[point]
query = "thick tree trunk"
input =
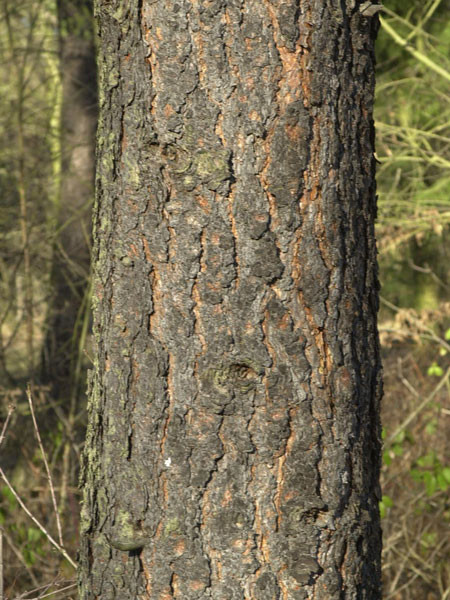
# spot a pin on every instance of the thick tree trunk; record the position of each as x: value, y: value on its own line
x: 233, y: 445
x: 71, y: 259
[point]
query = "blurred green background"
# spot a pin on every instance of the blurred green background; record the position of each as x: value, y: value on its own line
x: 47, y: 122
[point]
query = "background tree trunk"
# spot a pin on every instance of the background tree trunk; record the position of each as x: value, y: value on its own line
x: 71, y: 259
x: 233, y: 445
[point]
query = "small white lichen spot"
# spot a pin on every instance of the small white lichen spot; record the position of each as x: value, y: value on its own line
x: 168, y: 462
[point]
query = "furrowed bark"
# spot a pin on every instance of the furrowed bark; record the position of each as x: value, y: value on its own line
x: 233, y: 445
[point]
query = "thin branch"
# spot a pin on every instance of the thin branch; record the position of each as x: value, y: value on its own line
x: 68, y: 587
x: 418, y: 55
x: 419, y: 28
x: 419, y: 409
x: 19, y: 557
x: 44, y: 588
x: 430, y: 334
x: 44, y: 457
x: 36, y: 522
x: 11, y: 409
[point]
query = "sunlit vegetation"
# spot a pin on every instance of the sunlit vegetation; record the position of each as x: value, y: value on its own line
x: 413, y: 149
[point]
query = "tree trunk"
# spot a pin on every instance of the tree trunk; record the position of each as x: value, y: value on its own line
x: 233, y: 444
x: 71, y: 259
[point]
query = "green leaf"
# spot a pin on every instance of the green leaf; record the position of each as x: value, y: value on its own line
x: 397, y: 449
x: 387, y: 501
x: 447, y: 335
x: 446, y: 474
x: 435, y: 369
x: 400, y: 437
x: 29, y: 556
x: 7, y: 493
x: 387, y: 458
x: 442, y: 482
x: 383, y: 433
x: 33, y: 534
x: 430, y: 483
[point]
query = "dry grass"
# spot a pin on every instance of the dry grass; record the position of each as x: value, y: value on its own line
x: 35, y: 565
x: 416, y: 529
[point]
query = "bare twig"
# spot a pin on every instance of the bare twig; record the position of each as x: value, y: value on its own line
x: 11, y: 409
x: 19, y: 557
x: 425, y: 331
x: 419, y: 409
x: 44, y: 457
x: 412, y: 50
x: 64, y: 589
x: 36, y: 522
x: 41, y: 587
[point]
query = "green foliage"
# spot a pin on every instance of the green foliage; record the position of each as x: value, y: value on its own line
x: 33, y: 546
x: 30, y: 539
x: 9, y: 497
x: 412, y: 114
x: 435, y: 370
x: 396, y: 448
x: 429, y: 471
x: 385, y: 503
x: 8, y: 504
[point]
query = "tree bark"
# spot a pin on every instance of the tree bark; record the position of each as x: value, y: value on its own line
x: 233, y: 444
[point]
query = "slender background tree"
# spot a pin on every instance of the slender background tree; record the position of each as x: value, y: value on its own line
x: 69, y: 304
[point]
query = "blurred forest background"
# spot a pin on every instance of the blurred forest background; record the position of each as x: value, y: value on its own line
x: 48, y: 112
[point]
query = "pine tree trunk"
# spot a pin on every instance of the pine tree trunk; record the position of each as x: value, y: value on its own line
x: 233, y: 444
